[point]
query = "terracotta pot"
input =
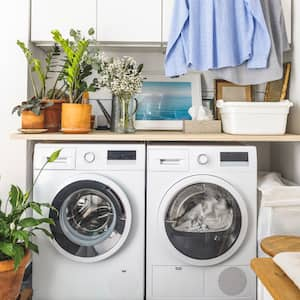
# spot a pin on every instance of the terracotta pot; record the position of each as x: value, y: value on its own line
x: 93, y: 118
x: 11, y: 280
x: 76, y: 118
x: 32, y: 121
x: 53, y: 115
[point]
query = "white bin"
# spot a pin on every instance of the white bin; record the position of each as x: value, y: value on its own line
x: 257, y: 118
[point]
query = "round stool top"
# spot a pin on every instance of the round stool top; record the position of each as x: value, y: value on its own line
x: 280, y: 243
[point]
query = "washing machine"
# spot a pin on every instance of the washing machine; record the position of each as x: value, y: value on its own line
x: 201, y: 222
x: 97, y: 251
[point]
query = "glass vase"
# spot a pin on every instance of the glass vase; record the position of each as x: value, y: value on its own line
x: 124, y: 112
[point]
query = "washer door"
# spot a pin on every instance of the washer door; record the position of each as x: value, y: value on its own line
x: 92, y: 221
x: 203, y: 219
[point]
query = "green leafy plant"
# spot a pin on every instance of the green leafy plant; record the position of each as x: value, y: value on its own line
x: 43, y: 69
x: 34, y: 104
x: 77, y: 66
x: 17, y: 230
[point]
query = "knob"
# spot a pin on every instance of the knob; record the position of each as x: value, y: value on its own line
x: 89, y: 157
x: 203, y: 159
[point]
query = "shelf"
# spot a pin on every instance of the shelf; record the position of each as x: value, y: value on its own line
x: 154, y: 136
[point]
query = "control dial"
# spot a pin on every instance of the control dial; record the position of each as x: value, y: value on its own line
x: 89, y: 157
x: 203, y: 159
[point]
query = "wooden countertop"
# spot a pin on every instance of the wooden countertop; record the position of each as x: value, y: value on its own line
x: 155, y: 136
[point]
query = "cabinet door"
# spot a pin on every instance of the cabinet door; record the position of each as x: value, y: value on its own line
x: 63, y: 15
x: 134, y: 21
x: 167, y: 18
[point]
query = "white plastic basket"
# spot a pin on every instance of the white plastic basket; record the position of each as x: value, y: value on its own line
x: 279, y: 208
x: 257, y: 118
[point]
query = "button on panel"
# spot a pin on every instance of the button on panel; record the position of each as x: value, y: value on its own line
x: 203, y: 159
x: 89, y: 157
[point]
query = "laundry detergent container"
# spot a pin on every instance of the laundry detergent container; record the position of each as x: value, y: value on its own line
x: 257, y: 118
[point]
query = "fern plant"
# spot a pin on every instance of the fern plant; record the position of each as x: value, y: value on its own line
x: 76, y: 67
x: 17, y: 230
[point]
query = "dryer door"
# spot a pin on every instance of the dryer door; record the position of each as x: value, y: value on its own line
x: 92, y: 221
x: 203, y: 219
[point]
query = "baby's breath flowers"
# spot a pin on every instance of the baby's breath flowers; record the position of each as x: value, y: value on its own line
x: 122, y: 75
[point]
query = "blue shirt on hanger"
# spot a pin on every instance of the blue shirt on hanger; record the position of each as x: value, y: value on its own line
x: 213, y: 34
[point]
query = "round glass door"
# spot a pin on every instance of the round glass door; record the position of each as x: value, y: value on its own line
x: 91, y: 221
x: 204, y: 220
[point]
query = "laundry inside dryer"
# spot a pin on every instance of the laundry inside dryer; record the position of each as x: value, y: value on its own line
x: 202, y: 207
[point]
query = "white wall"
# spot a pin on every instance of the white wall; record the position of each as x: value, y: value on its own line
x: 14, y: 24
x: 286, y: 157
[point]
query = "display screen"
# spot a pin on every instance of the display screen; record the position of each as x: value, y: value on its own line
x: 121, y: 155
x: 234, y: 157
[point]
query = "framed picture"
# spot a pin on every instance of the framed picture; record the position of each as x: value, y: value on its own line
x: 163, y: 103
x: 229, y: 91
x: 278, y: 90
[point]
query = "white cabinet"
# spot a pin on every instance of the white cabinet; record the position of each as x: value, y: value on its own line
x: 167, y: 18
x: 133, y: 21
x: 47, y: 15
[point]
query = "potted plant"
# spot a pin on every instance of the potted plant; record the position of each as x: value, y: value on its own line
x: 76, y: 115
x: 54, y: 95
x: 123, y: 77
x: 16, y: 231
x: 32, y: 113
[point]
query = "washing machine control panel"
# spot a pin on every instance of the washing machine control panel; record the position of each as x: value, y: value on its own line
x: 203, y: 159
x: 89, y: 157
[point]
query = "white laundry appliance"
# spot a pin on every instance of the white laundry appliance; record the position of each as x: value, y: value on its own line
x: 201, y: 222
x: 99, y: 233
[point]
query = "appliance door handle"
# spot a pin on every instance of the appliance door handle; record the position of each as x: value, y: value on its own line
x: 170, y: 161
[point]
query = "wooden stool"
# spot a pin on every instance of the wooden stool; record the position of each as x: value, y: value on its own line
x: 272, y: 277
x: 280, y: 243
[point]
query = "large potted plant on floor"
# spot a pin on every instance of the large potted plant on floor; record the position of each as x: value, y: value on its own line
x: 76, y: 115
x: 16, y: 231
x: 47, y: 84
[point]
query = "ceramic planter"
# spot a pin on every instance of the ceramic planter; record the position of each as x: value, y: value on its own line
x: 53, y: 115
x: 11, y: 280
x: 31, y: 121
x: 76, y: 118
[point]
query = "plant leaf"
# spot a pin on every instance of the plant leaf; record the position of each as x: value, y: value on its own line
x: 21, y: 236
x: 18, y: 256
x: 53, y: 157
x: 15, y: 196
x: 31, y: 222
x: 36, y: 207
x: 45, y: 231
x: 7, y: 249
x: 33, y: 247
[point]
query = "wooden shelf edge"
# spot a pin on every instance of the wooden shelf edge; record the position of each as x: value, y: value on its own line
x: 154, y: 136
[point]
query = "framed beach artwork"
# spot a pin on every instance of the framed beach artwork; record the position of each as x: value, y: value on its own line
x: 163, y: 103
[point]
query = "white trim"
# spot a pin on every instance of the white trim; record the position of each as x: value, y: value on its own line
x: 125, y: 201
x: 173, y: 191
